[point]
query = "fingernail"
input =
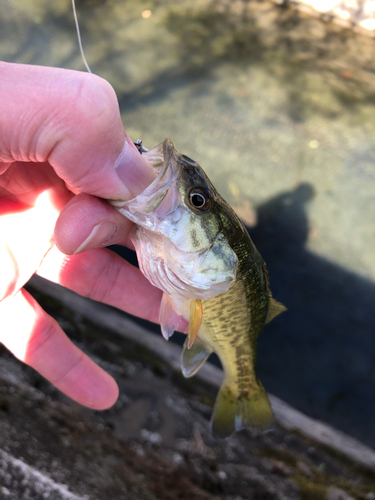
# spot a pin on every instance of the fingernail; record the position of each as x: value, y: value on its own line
x: 133, y: 169
x: 99, y: 237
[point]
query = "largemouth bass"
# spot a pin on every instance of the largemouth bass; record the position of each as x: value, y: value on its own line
x: 191, y: 245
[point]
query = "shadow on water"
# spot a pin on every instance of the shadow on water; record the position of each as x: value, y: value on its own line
x: 319, y: 356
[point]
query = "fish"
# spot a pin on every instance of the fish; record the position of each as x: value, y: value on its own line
x: 191, y: 244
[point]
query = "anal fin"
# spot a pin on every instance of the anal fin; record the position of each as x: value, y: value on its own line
x: 192, y: 359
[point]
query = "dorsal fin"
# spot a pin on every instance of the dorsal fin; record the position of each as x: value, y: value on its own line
x: 274, y: 308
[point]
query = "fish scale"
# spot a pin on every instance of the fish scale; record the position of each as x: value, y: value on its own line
x: 232, y: 333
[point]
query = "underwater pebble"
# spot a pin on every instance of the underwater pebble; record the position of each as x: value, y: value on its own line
x: 305, y: 469
x: 151, y: 437
x: 334, y: 493
x: 177, y: 459
x: 222, y: 475
x: 4, y: 491
x: 279, y: 467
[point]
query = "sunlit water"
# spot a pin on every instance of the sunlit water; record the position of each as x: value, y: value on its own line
x: 279, y: 109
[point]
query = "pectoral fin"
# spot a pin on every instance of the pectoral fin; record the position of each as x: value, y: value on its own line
x: 192, y: 359
x: 196, y: 315
x: 169, y: 319
x: 274, y: 308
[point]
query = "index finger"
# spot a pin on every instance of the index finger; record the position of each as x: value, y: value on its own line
x: 72, y: 120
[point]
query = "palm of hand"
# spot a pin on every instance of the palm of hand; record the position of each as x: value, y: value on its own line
x: 31, y: 198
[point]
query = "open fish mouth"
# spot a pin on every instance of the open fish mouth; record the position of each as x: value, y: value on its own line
x: 142, y: 209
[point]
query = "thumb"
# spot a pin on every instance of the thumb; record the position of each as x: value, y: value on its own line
x: 72, y: 120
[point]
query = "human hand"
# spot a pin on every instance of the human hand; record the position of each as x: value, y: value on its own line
x: 63, y: 150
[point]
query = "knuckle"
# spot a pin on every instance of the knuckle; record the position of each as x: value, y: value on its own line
x: 71, y: 373
x: 107, y: 279
x: 37, y: 346
x: 95, y: 101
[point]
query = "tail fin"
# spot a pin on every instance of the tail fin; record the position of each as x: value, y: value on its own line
x: 234, y: 412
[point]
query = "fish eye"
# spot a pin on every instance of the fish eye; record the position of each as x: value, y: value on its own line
x: 199, y: 199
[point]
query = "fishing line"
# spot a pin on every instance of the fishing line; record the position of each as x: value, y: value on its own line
x: 137, y: 144
x: 79, y: 37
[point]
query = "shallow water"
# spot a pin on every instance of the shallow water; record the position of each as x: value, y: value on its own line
x: 279, y: 109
